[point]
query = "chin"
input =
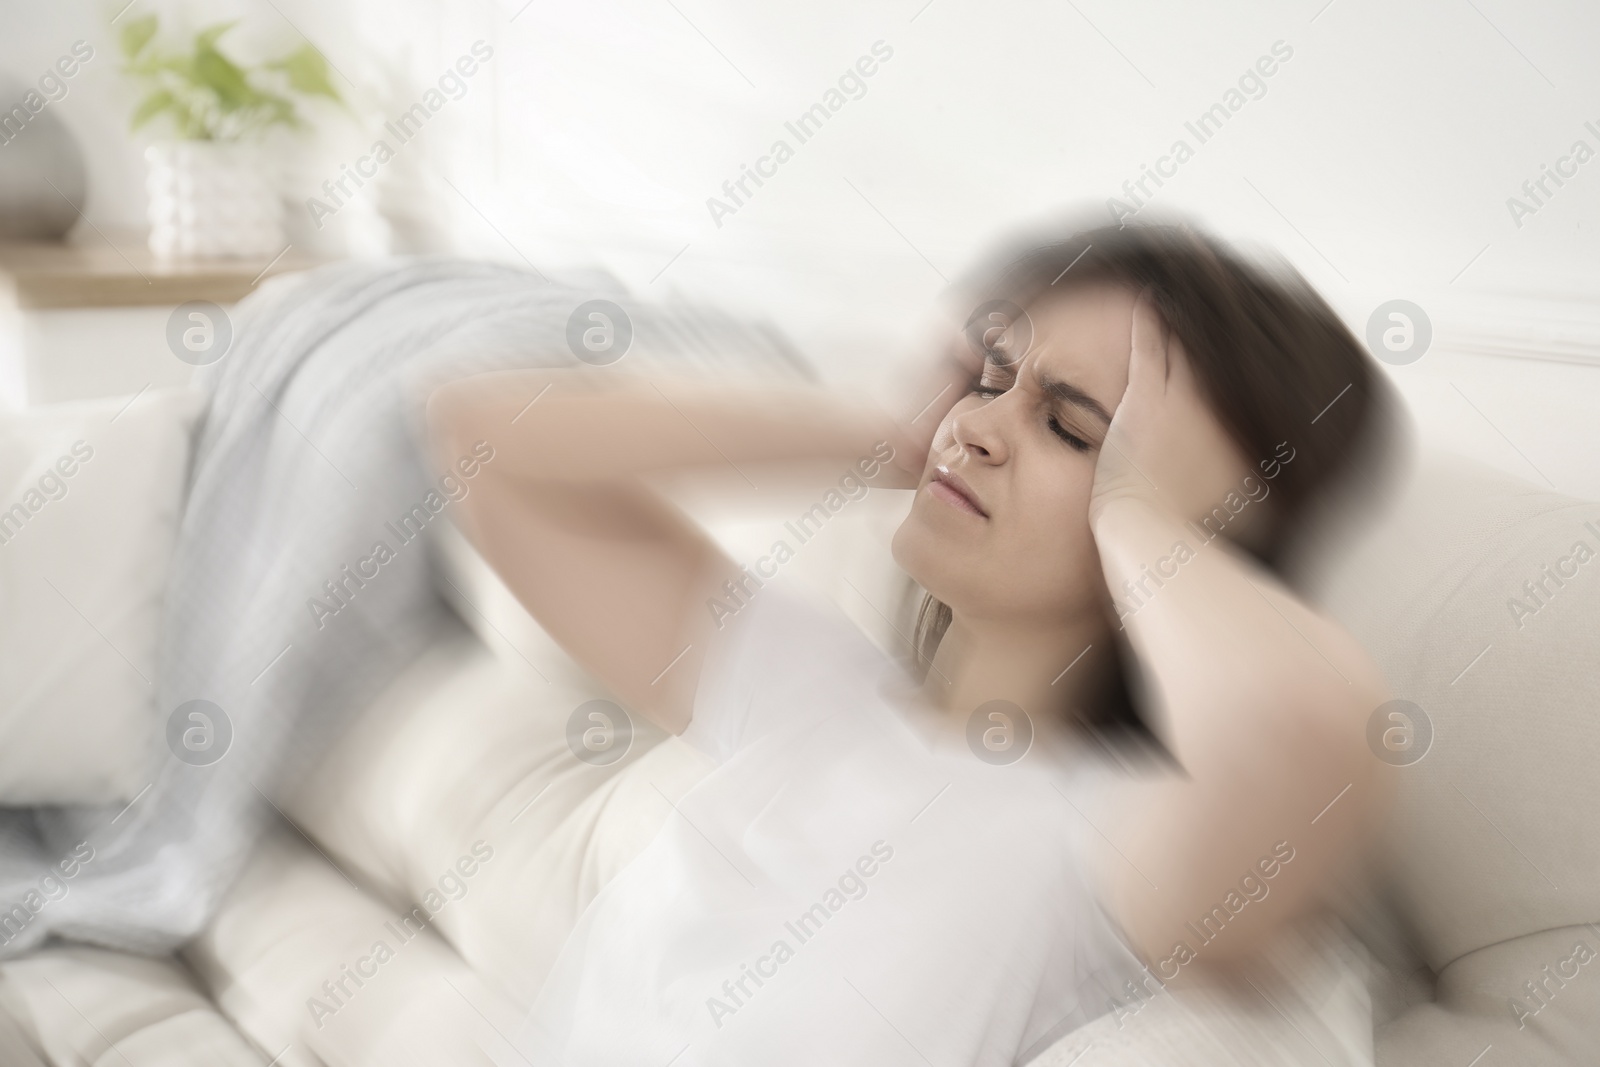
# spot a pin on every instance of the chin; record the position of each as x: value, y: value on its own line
x: 958, y: 575
x: 918, y: 551
x: 897, y: 549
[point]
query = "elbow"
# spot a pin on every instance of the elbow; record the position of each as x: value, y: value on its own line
x: 1343, y: 720
x: 443, y: 410
x: 452, y: 412
x: 1319, y: 712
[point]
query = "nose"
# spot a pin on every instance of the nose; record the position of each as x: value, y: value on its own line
x: 981, y: 431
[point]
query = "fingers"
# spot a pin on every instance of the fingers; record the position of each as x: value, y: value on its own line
x: 1147, y: 362
x: 941, y: 390
x: 1180, y: 372
x: 934, y: 384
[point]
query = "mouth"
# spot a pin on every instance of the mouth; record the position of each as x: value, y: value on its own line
x: 949, y: 487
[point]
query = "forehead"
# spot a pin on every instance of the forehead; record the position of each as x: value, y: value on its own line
x: 1081, y: 335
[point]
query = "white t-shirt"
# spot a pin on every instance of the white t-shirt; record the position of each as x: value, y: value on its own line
x: 839, y: 889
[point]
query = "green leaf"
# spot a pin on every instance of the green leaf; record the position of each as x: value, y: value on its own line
x: 222, y: 76
x: 179, y: 68
x: 187, y: 115
x: 308, y: 73
x: 207, y: 38
x: 280, y: 109
x: 149, y: 67
x: 137, y: 34
x: 151, y: 106
x: 189, y: 125
x: 209, y: 96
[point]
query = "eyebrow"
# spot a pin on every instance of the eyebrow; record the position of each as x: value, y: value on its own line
x: 1068, y: 393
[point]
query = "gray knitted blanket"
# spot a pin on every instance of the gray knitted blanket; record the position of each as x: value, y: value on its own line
x: 308, y: 456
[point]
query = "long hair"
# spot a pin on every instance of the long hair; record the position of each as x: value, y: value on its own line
x: 1274, y: 362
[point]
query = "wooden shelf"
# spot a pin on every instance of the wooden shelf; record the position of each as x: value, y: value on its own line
x: 120, y: 272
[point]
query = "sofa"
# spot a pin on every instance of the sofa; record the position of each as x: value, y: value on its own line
x: 1474, y: 920
x: 383, y: 919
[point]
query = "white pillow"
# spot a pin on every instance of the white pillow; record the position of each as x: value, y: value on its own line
x: 90, y: 497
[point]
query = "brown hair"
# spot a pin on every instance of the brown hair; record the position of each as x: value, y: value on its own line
x: 1274, y: 361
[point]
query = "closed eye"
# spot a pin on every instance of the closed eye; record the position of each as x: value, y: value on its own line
x: 1078, y: 444
x: 998, y: 372
x: 989, y: 390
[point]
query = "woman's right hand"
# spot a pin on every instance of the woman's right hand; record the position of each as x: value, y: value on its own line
x: 618, y: 575
x: 937, y: 386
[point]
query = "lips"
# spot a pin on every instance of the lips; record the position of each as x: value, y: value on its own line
x: 949, y: 487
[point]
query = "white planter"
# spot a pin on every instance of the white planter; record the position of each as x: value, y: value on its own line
x: 212, y: 200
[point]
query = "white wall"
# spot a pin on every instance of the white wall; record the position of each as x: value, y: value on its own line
x: 1379, y: 160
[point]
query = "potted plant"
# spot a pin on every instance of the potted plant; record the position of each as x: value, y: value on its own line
x: 211, y: 192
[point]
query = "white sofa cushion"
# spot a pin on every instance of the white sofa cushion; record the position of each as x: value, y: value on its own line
x: 292, y: 958
x: 73, y: 1004
x: 91, y: 493
x: 1479, y: 596
x: 469, y: 749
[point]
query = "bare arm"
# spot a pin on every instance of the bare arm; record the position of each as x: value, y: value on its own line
x: 1264, y: 702
x: 616, y: 574
x: 1264, y: 707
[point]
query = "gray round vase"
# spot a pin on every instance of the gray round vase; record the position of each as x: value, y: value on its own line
x: 42, y: 178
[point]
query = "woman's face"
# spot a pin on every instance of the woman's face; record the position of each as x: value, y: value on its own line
x: 1024, y: 448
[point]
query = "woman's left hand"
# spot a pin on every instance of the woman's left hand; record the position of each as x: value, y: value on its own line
x: 1261, y: 701
x: 1164, y: 446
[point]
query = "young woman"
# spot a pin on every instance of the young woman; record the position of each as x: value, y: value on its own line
x: 1107, y: 480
